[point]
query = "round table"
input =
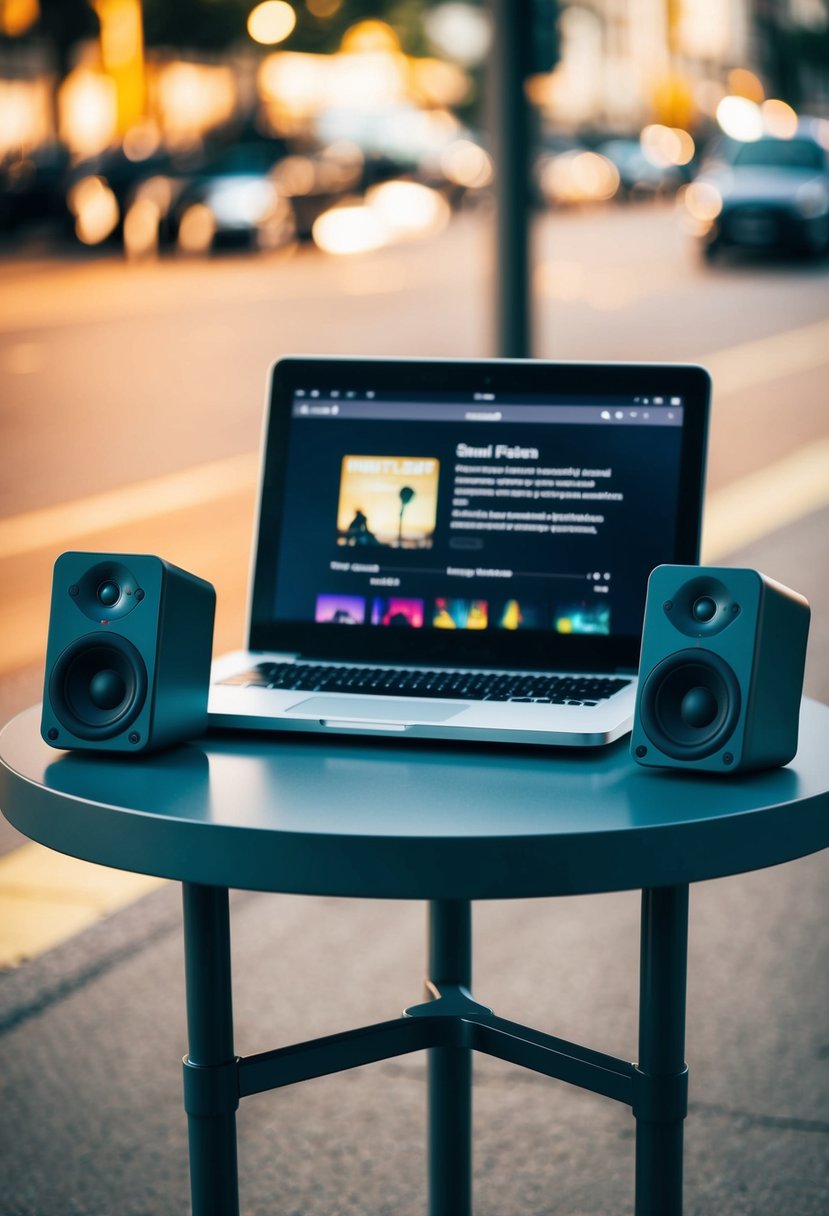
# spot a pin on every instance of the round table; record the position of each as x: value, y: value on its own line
x: 448, y: 825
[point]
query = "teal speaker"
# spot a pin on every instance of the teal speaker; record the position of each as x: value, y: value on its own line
x: 720, y: 672
x: 128, y: 655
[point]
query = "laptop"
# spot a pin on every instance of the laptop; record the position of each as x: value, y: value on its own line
x: 460, y: 549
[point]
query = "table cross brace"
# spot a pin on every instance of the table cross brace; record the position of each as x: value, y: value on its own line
x: 452, y: 1019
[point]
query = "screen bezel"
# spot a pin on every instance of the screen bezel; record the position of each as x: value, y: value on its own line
x: 535, y: 650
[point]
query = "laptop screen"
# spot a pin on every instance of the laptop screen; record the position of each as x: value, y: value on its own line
x: 491, y: 518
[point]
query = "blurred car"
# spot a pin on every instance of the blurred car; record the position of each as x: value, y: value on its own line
x: 770, y: 193
x: 575, y: 176
x: 233, y: 200
x: 32, y: 186
x: 315, y: 180
x: 99, y: 191
x: 641, y: 175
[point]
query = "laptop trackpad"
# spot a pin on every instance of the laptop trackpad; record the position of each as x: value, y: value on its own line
x: 362, y: 709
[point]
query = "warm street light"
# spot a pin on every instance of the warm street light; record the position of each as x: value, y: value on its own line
x: 779, y: 118
x: 88, y: 110
x: 271, y: 22
x: 740, y: 118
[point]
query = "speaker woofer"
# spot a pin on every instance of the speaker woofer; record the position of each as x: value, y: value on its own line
x: 98, y: 686
x: 690, y: 704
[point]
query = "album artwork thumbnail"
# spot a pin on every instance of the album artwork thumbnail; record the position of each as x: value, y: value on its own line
x: 582, y: 618
x: 340, y: 609
x: 396, y: 611
x: 388, y: 500
x: 516, y: 614
x: 460, y: 614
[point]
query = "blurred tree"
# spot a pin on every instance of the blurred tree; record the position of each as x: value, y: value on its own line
x: 202, y: 24
x: 218, y: 24
x: 64, y: 24
x: 786, y: 47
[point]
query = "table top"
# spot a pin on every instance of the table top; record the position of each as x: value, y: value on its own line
x: 414, y: 821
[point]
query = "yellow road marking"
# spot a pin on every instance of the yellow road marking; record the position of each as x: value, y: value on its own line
x: 46, y: 898
x: 747, y: 509
x: 751, y: 363
x: 53, y: 526
x: 733, y: 370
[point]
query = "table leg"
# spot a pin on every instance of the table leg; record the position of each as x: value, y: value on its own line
x: 210, y: 1060
x: 663, y: 972
x: 450, y: 1068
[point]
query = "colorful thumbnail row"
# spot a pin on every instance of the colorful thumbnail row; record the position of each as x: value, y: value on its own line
x: 443, y: 613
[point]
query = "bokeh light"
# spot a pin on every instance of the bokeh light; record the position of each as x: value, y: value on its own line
x: 323, y: 9
x: 465, y: 163
x: 740, y: 118
x: 779, y: 119
x: 141, y: 225
x: 142, y: 140
x: 409, y: 209
x: 88, y: 111
x: 197, y: 229
x: 703, y: 201
x: 350, y: 229
x: 95, y: 208
x: 295, y: 175
x: 24, y: 115
x: 743, y: 83
x: 665, y: 146
x: 460, y: 31
x: 370, y: 37
x: 579, y: 177
x: 194, y: 97
x: 435, y: 82
x: 242, y: 201
x: 271, y: 22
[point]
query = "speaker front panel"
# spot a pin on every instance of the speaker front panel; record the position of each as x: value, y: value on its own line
x: 101, y: 655
x: 695, y: 672
x: 128, y: 654
x: 721, y: 670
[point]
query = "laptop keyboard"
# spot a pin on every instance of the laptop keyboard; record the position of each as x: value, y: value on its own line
x: 417, y: 682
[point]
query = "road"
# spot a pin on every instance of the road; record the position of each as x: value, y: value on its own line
x: 131, y: 400
x: 132, y: 394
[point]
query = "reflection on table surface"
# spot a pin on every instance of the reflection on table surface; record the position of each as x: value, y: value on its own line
x: 353, y: 787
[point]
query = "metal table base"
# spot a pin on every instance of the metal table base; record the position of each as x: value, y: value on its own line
x: 450, y: 1025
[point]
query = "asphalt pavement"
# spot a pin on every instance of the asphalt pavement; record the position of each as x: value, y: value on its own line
x: 109, y: 379
x: 92, y: 1032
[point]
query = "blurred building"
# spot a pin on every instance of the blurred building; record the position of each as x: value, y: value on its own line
x: 92, y: 72
x: 625, y: 63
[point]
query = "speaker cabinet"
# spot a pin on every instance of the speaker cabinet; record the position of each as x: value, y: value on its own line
x: 128, y: 655
x: 721, y: 670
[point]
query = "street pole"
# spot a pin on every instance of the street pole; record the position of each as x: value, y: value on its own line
x: 511, y: 31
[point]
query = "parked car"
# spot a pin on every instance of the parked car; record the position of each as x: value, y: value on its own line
x: 100, y: 190
x: 32, y: 186
x: 234, y: 200
x: 573, y: 175
x: 765, y: 194
x: 640, y: 176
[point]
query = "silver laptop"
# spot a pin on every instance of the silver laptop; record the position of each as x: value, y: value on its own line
x: 459, y: 549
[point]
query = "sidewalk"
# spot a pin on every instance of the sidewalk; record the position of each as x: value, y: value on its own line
x: 92, y: 1032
